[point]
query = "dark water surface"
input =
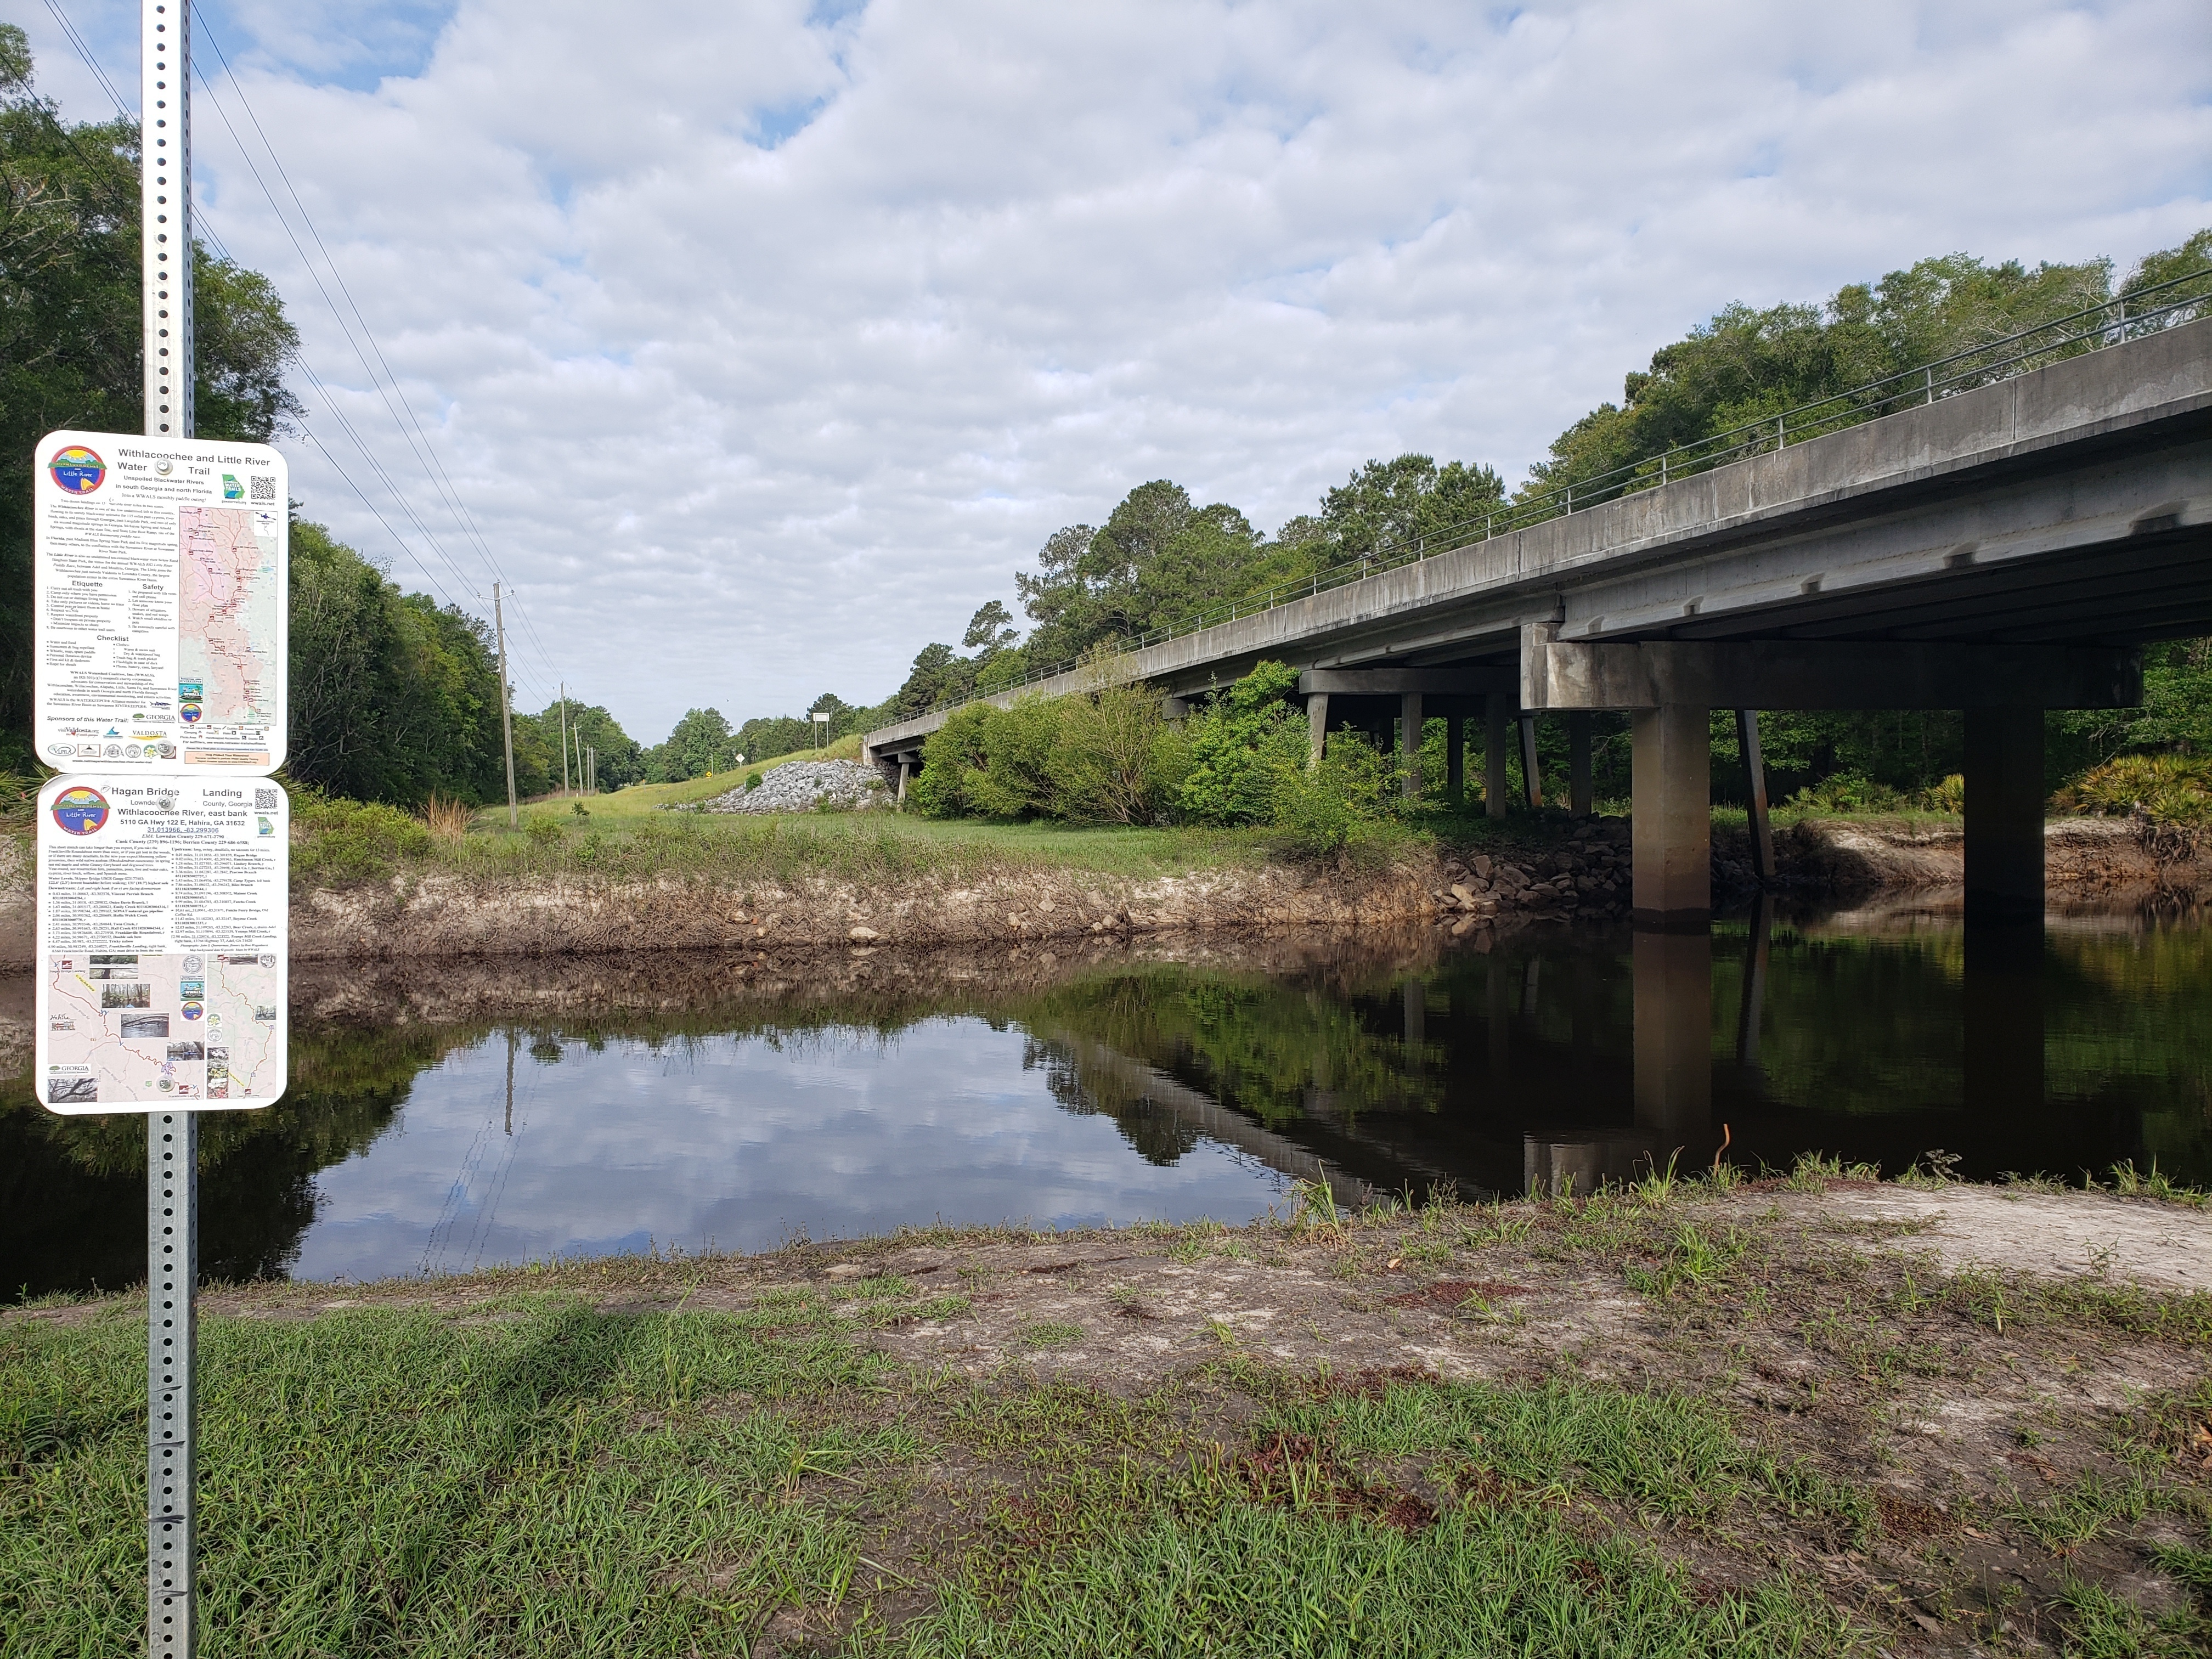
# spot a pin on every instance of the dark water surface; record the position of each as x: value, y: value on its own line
x: 1120, y: 1088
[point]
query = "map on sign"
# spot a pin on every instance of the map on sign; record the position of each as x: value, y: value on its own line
x: 162, y: 924
x: 229, y: 588
x: 160, y: 584
x: 124, y: 1027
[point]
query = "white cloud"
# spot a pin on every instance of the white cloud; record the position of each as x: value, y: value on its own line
x: 764, y: 345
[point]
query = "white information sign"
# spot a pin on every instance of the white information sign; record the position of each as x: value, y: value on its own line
x: 162, y: 935
x: 161, y: 571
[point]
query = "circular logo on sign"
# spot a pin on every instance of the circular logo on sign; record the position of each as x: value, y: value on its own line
x: 77, y: 469
x: 189, y: 713
x: 79, y: 810
x: 192, y: 1010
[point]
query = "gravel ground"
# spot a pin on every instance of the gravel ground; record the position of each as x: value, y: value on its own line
x: 801, y: 786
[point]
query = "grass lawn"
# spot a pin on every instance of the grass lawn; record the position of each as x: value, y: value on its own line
x: 1034, y: 1444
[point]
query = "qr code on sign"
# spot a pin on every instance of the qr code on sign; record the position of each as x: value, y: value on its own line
x: 265, y: 800
x: 264, y: 489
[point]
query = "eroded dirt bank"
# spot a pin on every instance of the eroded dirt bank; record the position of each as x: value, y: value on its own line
x: 853, y: 981
x: 2089, y: 863
x: 2092, y: 865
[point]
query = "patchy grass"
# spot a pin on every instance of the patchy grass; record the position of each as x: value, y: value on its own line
x: 339, y: 843
x: 1678, y: 1418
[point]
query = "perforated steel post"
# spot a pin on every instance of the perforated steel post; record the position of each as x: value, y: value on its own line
x: 164, y: 222
x: 165, y: 213
x: 173, y: 1256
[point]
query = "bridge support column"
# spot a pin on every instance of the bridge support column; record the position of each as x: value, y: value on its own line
x: 1754, y: 794
x: 1316, y: 727
x: 1579, y: 801
x: 1497, y: 715
x: 906, y: 770
x: 1673, y: 840
x: 1409, y: 745
x: 1456, y: 758
x: 2004, y: 814
x: 1532, y: 774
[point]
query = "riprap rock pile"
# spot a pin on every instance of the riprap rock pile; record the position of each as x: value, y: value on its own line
x: 803, y: 786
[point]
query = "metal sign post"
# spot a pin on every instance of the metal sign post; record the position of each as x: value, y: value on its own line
x: 173, y: 1263
x: 160, y: 567
x: 173, y: 1138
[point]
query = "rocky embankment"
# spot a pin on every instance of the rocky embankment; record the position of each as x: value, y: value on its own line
x: 1589, y: 875
x: 804, y: 786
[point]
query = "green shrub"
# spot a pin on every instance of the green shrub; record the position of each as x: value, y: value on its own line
x: 1848, y: 791
x: 951, y: 753
x: 1949, y: 796
x: 752, y: 781
x: 1320, y: 810
x: 542, y: 831
x: 1242, y: 748
x: 1106, y: 760
x: 352, y: 840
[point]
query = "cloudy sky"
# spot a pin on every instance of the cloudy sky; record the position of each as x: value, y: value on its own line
x: 762, y: 341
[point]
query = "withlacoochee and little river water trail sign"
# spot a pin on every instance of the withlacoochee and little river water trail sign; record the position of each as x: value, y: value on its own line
x: 162, y: 625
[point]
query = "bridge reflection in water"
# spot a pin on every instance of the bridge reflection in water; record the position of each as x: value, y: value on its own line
x: 688, y: 1105
x: 1560, y: 1059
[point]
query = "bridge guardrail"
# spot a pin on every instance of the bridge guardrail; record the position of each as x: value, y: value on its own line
x: 2131, y: 316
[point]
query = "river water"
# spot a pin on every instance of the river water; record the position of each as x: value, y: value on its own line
x: 471, y: 1116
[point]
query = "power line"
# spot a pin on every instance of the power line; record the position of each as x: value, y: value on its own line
x: 398, y: 496
x: 206, y: 223
x: 394, y: 400
x: 427, y: 452
x: 90, y: 62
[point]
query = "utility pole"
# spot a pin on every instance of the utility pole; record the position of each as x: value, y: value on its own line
x: 505, y: 709
x: 592, y: 771
x: 564, y: 737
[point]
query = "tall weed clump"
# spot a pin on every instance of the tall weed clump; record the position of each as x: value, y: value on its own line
x: 1338, y: 805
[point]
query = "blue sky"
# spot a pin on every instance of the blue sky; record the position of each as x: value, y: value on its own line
x: 762, y: 342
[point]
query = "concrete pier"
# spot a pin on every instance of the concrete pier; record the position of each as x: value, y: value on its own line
x: 1410, y: 722
x: 1673, y: 841
x: 2004, y: 814
x: 1498, y: 718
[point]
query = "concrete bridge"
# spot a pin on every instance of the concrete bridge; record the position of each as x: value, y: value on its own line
x: 2002, y: 551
